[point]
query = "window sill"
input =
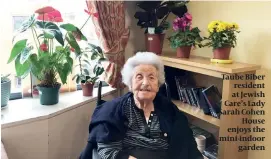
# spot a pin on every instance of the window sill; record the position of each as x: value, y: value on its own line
x: 29, y: 109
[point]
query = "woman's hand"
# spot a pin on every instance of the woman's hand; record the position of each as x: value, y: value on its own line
x: 131, y: 157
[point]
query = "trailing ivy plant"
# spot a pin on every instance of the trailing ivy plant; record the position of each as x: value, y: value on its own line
x: 47, y: 54
x: 90, y: 58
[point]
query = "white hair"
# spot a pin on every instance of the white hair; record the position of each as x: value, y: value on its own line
x: 139, y: 58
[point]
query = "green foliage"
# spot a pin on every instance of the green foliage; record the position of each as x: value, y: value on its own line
x: 221, y: 34
x: 185, y: 38
x: 154, y: 14
x: 45, y: 58
x: 224, y: 38
x: 90, y: 59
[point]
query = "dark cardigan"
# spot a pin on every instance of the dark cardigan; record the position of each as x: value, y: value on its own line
x: 109, y: 124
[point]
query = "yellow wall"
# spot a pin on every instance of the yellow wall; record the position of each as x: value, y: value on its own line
x: 254, y: 41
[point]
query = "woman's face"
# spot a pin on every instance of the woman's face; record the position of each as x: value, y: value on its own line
x: 145, y: 82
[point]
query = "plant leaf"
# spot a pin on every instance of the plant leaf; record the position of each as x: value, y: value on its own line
x: 95, y: 47
x: 36, y: 67
x: 25, y: 54
x: 68, y: 27
x: 102, y: 59
x: 78, y: 79
x: 63, y: 72
x: 86, y: 55
x: 86, y: 61
x: 25, y: 25
x: 51, y: 29
x: 82, y: 35
x: 73, y: 43
x: 99, y: 71
x: 48, y: 34
x: 94, y: 56
x: 58, y: 36
x: 47, y: 25
x: 17, y: 49
x: 70, y: 61
x: 86, y: 71
x: 21, y: 69
x: 75, y: 76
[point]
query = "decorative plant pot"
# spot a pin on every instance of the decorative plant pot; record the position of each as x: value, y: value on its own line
x: 222, y: 53
x: 154, y: 43
x: 5, y: 93
x: 184, y: 51
x: 87, y: 89
x: 49, y: 95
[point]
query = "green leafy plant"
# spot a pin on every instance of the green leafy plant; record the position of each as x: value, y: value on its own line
x: 185, y: 34
x: 4, y: 78
x: 221, y: 34
x: 153, y: 11
x: 47, y: 54
x: 89, y: 58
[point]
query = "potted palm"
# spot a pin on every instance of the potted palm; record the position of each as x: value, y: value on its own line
x: 222, y: 37
x: 153, y: 19
x: 47, y: 54
x: 90, y: 68
x: 185, y: 36
x: 5, y: 90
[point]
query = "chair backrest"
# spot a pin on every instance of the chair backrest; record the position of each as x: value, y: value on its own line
x: 99, y: 96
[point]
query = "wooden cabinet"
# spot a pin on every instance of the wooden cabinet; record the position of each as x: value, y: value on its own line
x: 205, y: 72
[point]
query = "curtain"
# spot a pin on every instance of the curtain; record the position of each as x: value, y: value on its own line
x: 109, y: 23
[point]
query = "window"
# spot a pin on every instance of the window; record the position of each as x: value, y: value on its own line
x: 16, y: 11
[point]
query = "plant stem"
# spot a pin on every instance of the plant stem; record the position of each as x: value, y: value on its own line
x: 65, y: 47
x: 85, y: 23
x: 36, y: 35
x: 163, y: 21
x: 34, y: 39
x: 52, y: 42
x: 80, y: 65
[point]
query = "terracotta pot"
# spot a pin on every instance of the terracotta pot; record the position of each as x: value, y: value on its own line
x: 184, y: 51
x: 154, y: 43
x: 87, y: 89
x: 222, y: 53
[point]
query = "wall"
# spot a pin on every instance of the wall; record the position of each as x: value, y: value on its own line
x: 63, y: 136
x: 253, y: 44
x: 136, y: 39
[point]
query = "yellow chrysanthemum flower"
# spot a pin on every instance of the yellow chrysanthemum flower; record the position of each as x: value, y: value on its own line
x: 213, y: 25
x: 228, y: 25
x: 221, y: 27
x: 235, y: 26
x: 211, y: 30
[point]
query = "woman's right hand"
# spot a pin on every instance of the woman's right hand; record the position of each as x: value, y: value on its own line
x: 131, y: 157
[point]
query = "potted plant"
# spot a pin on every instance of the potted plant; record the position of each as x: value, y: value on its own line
x: 222, y: 37
x: 47, y: 54
x: 90, y: 67
x: 149, y: 19
x: 185, y: 36
x: 5, y: 90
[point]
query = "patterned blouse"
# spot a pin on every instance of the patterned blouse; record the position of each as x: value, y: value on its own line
x: 140, y: 133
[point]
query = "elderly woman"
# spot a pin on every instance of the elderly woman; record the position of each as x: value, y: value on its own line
x: 141, y: 124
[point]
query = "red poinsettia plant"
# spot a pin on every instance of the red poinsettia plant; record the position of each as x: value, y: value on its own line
x: 47, y: 54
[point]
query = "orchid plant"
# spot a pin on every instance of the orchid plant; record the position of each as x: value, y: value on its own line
x: 184, y: 34
x: 48, y: 54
